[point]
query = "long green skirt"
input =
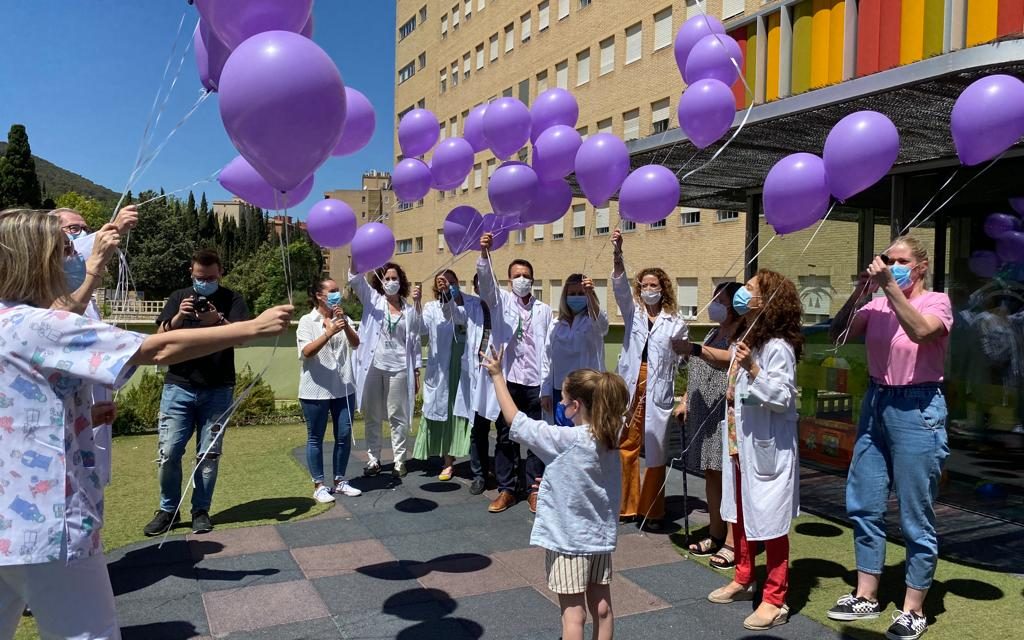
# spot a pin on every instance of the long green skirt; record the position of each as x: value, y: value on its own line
x: 446, y: 437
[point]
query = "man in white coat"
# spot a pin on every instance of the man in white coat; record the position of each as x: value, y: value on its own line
x: 524, y: 324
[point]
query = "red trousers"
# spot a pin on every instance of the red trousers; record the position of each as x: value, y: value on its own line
x: 777, y: 550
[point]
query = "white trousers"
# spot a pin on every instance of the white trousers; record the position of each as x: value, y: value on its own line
x: 69, y: 602
x: 386, y: 397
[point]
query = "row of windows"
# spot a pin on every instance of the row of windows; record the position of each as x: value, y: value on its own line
x: 409, y: 26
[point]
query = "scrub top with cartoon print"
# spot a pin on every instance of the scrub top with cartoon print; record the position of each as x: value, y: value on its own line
x: 51, y: 492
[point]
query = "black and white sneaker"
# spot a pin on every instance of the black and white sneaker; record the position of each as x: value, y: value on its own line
x: 906, y: 626
x: 372, y: 468
x: 850, y: 607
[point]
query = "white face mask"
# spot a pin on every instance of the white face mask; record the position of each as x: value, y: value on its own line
x: 522, y: 286
x: 650, y: 297
x: 391, y: 287
x: 717, y: 312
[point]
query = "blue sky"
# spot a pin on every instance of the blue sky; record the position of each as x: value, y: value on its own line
x: 81, y: 75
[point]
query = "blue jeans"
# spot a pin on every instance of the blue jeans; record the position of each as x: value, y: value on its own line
x: 184, y: 411
x: 901, y: 445
x: 315, y: 412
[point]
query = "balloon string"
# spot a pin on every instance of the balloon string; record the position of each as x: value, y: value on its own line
x: 205, y: 180
x: 931, y: 199
x: 956, y: 193
x: 820, y: 225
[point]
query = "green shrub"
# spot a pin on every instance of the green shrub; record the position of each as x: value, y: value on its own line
x: 260, y: 402
x: 138, y: 408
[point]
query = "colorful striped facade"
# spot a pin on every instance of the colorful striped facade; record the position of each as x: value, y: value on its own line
x: 806, y: 45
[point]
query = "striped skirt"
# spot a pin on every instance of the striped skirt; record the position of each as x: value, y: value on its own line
x: 570, y: 574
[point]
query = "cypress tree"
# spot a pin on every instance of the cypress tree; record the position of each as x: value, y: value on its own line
x: 19, y: 185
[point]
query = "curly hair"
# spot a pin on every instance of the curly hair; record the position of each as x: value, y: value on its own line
x: 668, y: 292
x: 780, y: 316
x: 376, y: 279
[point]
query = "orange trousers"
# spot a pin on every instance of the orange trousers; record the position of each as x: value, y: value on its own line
x: 646, y: 498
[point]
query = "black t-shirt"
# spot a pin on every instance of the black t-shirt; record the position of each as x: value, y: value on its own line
x: 216, y: 369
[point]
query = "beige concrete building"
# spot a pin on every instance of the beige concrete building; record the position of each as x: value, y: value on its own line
x: 373, y: 202
x: 616, y: 57
x: 228, y: 209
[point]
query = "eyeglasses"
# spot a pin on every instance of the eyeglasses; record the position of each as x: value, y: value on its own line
x: 75, y: 228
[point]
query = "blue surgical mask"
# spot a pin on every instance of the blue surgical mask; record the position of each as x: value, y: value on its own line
x: 741, y: 301
x: 576, y: 303
x: 74, y: 271
x: 901, y: 274
x: 333, y: 299
x: 453, y: 290
x: 204, y: 287
x: 76, y: 236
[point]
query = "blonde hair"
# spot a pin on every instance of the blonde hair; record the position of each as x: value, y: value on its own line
x: 668, y: 294
x: 606, y: 398
x: 564, y: 312
x: 31, y: 257
x: 919, y: 250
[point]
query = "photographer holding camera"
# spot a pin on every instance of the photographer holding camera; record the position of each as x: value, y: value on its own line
x: 196, y: 392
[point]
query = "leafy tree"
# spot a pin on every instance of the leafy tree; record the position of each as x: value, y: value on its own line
x: 19, y: 185
x: 190, y: 217
x: 159, y: 261
x: 260, y: 278
x: 96, y: 213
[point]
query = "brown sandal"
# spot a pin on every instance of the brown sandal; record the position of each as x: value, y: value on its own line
x: 724, y: 560
x: 706, y: 547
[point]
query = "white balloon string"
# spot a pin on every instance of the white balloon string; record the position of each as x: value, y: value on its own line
x: 955, y: 194
x: 930, y: 200
x: 205, y: 180
x: 820, y: 225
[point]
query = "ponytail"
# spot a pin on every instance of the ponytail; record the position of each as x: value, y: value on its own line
x: 606, y: 398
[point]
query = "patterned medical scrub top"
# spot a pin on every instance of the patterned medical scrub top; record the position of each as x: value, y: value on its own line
x: 51, y: 494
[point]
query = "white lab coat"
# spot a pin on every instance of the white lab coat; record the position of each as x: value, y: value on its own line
x: 507, y: 319
x: 579, y: 345
x: 438, y: 325
x: 661, y: 365
x: 375, y: 308
x: 766, y: 435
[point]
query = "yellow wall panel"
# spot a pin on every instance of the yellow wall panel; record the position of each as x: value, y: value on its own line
x: 803, y: 17
x: 836, y: 41
x: 912, y: 31
x: 982, y: 21
x: 820, y: 34
x: 772, y: 72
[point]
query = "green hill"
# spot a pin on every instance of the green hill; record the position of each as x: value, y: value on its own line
x: 57, y: 181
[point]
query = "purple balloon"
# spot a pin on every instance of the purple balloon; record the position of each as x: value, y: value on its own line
x: 498, y: 227
x: 795, y: 193
x: 550, y: 203
x: 360, y: 121
x: 1017, y: 204
x: 712, y: 58
x: 649, y: 194
x: 1010, y: 246
x: 859, y: 151
x: 602, y: 163
x: 692, y: 31
x: 706, y: 111
x: 418, y: 132
x: 411, y: 180
x: 451, y: 163
x: 282, y: 102
x: 235, y: 21
x: 554, y: 152
x: 507, y: 126
x: 551, y: 108
x: 473, y: 128
x: 462, y: 229
x: 988, y: 118
x: 241, y: 179
x: 211, y: 54
x: 372, y: 247
x: 512, y: 188
x: 998, y: 224
x: 307, y: 30
x: 984, y: 263
x: 331, y: 223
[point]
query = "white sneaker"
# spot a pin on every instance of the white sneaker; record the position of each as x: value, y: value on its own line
x: 323, y: 494
x: 344, y: 488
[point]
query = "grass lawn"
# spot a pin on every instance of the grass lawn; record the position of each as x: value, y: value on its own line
x: 964, y: 602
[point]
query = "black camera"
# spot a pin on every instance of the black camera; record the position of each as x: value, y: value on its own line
x: 886, y: 259
x: 200, y: 304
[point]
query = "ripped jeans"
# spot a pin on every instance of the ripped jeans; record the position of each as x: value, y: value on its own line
x: 184, y: 411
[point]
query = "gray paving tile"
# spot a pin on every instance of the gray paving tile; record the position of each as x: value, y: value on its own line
x: 512, y: 615
x: 148, y: 553
x: 507, y: 535
x: 418, y: 614
x: 424, y: 547
x: 312, y: 533
x: 261, y: 606
x: 160, y: 618
x: 366, y: 590
x: 160, y: 581
x: 677, y: 583
x: 320, y: 629
x: 392, y: 520
x: 247, y: 570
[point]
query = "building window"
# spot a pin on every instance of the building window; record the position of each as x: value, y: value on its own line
x: 538, y: 232
x: 465, y: 184
x: 686, y: 297
x: 405, y: 206
x: 524, y: 27
x: 440, y: 240
x: 816, y: 295
x: 584, y: 132
x: 583, y: 67
x: 455, y: 17
x: 406, y: 29
x: 421, y: 103
x: 634, y: 42
x: 604, y: 126
x: 419, y: 244
x: 453, y: 128
x: 444, y: 80
x: 444, y: 132
x: 421, y: 61
x: 601, y: 224
x: 563, y: 9
x: 520, y: 236
x: 692, y: 8
x: 542, y: 82
x: 510, y: 37
x: 401, y: 115
x: 731, y: 8
x: 543, y: 16
x: 468, y: 11
x: 524, y: 91
x: 478, y: 176
x: 663, y: 29
x: 562, y: 74
x: 404, y: 246
x: 659, y: 116
x: 466, y: 66
x: 480, y: 4
x: 406, y: 72
x: 584, y: 3
x: 631, y: 125
x: 607, y: 56
x: 727, y: 216
x: 657, y: 225
x: 444, y: 26
x: 455, y: 75
x: 628, y: 225
x: 423, y: 13
x: 494, y: 47
x: 689, y: 216
x: 579, y: 221
x: 492, y: 166
x: 558, y: 229
x: 479, y: 57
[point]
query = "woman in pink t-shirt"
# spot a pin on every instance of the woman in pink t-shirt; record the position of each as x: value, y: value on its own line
x: 901, y: 439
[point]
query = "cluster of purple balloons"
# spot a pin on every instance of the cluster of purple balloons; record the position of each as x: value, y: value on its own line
x: 708, y: 60
x: 1008, y: 232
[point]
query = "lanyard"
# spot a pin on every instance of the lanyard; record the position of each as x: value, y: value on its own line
x: 392, y: 325
x: 529, y: 321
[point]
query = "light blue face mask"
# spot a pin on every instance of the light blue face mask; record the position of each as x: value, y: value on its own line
x: 741, y: 301
x: 205, y: 288
x: 453, y: 290
x: 901, y: 273
x: 333, y: 299
x: 576, y: 303
x: 74, y: 271
x: 76, y: 236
